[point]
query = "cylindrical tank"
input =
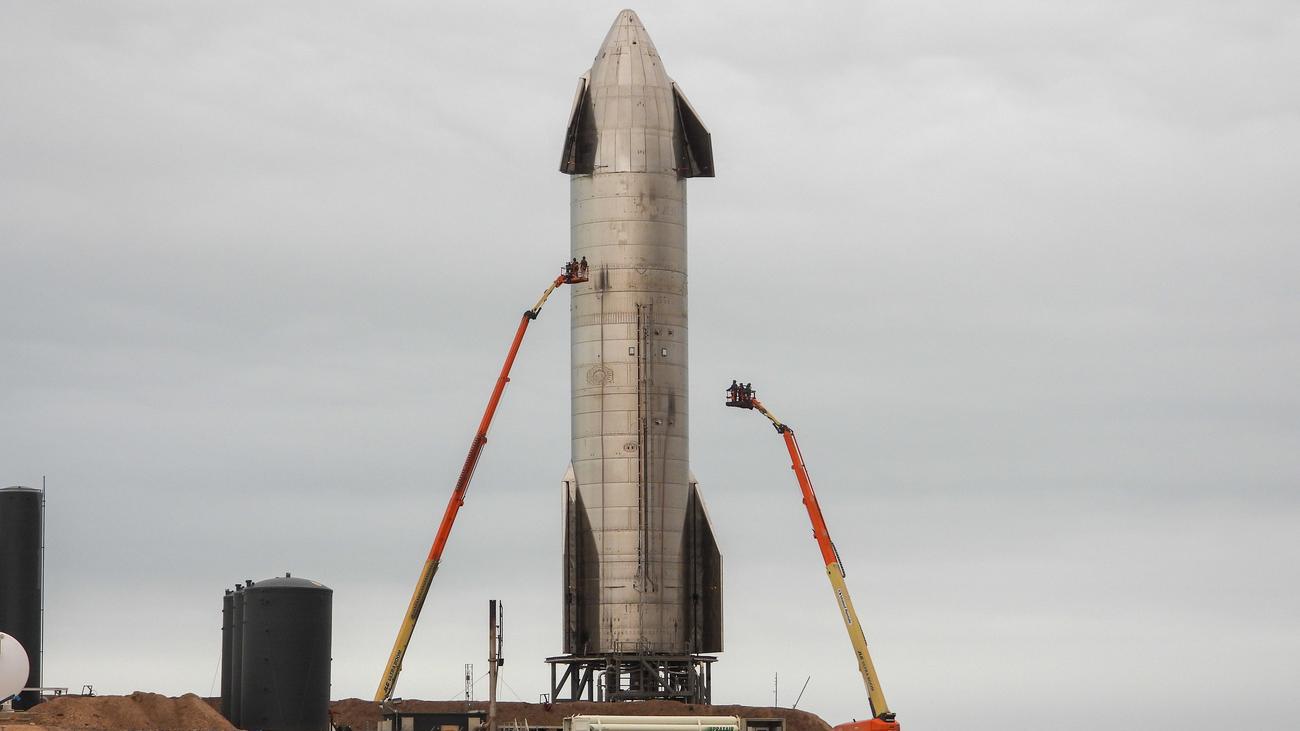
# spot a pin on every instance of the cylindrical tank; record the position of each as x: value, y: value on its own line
x: 22, y: 542
x: 227, y: 648
x: 285, y: 683
x: 13, y: 667
x: 236, y: 654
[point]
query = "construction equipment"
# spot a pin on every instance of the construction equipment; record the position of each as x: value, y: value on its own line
x: 574, y: 273
x: 741, y: 396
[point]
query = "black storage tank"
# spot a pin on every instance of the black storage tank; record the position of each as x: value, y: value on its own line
x: 227, y: 648
x: 285, y: 683
x: 236, y: 654
x: 22, y: 544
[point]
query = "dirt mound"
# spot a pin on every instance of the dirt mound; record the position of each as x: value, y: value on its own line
x: 153, y: 712
x: 364, y: 715
x: 359, y: 714
x: 136, y: 712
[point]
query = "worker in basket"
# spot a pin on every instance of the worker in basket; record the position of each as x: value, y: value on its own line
x: 740, y: 395
x: 575, y: 271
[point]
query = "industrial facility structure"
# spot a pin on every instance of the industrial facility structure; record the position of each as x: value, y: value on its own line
x: 275, y: 654
x: 22, y: 546
x: 642, y: 571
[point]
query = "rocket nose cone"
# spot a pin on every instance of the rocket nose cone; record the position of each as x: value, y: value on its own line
x: 627, y: 30
x: 627, y: 16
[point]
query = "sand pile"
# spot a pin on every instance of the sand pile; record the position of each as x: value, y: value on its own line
x: 359, y: 714
x: 364, y: 715
x: 153, y: 712
x: 136, y: 712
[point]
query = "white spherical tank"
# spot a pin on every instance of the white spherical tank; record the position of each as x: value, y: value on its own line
x: 13, y: 667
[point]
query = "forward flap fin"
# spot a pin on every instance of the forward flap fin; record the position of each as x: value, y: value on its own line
x: 694, y: 144
x: 579, y: 156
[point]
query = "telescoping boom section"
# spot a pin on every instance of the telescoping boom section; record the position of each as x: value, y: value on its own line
x: 741, y: 396
x: 574, y: 273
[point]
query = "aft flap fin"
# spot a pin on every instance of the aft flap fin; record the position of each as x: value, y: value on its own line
x: 581, y: 571
x: 704, y: 576
x: 579, y: 156
x: 694, y: 144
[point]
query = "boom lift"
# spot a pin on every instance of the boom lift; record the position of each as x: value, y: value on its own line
x: 741, y: 396
x: 574, y: 273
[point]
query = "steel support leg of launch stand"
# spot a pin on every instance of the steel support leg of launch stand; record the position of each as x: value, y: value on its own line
x: 627, y: 676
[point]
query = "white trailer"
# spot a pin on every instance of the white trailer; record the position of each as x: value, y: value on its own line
x: 653, y: 723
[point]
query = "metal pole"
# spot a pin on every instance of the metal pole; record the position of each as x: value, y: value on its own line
x: 496, y: 620
x: 801, y: 690
x: 41, y: 680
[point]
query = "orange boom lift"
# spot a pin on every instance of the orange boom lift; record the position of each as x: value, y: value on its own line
x: 742, y: 397
x: 573, y: 274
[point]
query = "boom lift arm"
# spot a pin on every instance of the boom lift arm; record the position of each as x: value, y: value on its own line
x: 742, y: 396
x: 573, y: 274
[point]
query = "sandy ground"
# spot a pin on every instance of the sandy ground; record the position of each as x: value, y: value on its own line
x: 135, y: 712
x: 363, y: 715
x: 152, y: 712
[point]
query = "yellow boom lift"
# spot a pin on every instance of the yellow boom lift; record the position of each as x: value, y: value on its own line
x: 573, y: 274
x: 741, y: 396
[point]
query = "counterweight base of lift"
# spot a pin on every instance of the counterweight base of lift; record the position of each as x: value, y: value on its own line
x: 886, y: 723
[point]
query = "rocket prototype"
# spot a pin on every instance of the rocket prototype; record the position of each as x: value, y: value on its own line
x: 642, y: 571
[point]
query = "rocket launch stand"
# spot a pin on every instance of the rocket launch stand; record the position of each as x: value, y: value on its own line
x: 632, y: 677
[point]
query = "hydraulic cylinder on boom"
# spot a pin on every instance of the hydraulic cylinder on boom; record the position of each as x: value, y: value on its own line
x: 574, y: 273
x: 741, y: 396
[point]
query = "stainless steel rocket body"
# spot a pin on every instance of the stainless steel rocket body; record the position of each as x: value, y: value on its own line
x: 643, y: 574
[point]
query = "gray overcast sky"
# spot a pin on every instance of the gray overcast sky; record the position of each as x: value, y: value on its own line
x: 1024, y: 274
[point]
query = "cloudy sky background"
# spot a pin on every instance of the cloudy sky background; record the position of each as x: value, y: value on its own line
x: 1023, y: 274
